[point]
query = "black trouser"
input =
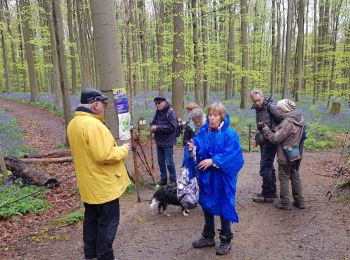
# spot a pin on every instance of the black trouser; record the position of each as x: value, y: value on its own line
x: 99, y: 229
x: 267, y: 170
x: 209, y: 227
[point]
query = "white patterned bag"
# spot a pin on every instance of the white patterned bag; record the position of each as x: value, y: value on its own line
x: 187, y: 190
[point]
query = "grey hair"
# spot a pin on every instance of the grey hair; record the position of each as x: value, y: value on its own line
x: 219, y: 108
x: 196, y: 113
x: 88, y: 106
x: 256, y: 91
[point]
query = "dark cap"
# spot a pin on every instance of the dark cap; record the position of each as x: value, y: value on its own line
x: 159, y: 98
x: 89, y: 95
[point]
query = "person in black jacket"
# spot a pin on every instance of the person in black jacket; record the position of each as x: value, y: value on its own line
x: 189, y: 127
x: 267, y: 113
x: 163, y: 126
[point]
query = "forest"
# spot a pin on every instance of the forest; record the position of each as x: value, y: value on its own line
x: 187, y: 51
x: 201, y: 47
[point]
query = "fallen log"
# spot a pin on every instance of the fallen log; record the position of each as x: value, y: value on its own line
x: 53, y: 153
x: 48, y: 160
x: 21, y: 170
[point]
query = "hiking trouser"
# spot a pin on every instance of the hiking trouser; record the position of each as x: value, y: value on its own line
x: 267, y: 170
x: 99, y: 229
x: 286, y: 173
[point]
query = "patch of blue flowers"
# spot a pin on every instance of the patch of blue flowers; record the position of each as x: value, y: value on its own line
x: 11, y: 139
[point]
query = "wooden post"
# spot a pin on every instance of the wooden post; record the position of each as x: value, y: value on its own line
x: 136, y: 170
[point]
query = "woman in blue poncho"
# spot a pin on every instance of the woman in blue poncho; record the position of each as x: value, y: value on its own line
x: 217, y: 150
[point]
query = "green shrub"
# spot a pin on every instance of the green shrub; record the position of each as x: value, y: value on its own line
x: 70, y: 218
x: 32, y: 205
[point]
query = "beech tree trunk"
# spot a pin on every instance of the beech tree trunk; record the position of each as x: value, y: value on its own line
x: 205, y: 40
x: 244, y: 44
x: 300, y: 51
x: 34, y: 89
x: 197, y: 74
x: 55, y: 74
x: 59, y: 36
x: 178, y: 59
x: 72, y: 51
x: 4, y: 51
x: 288, y: 47
x: 159, y: 7
x: 230, y: 83
x: 273, y: 49
x: 108, y: 55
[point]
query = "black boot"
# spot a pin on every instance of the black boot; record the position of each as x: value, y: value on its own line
x: 203, y: 242
x: 225, y: 244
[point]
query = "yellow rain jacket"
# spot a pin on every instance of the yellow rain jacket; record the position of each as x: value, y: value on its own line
x: 98, y: 161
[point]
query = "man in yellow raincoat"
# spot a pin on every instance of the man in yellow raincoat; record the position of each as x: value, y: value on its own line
x: 101, y: 174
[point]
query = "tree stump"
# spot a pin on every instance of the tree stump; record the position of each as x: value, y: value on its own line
x: 335, y: 109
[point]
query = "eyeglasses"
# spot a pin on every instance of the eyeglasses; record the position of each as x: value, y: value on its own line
x: 158, y: 102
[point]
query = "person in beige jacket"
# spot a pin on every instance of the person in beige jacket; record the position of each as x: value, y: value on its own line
x: 101, y: 174
x: 287, y: 135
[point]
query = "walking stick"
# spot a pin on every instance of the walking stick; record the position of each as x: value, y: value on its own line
x: 151, y: 138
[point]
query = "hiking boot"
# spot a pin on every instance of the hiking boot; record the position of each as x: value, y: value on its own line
x: 261, y: 199
x: 224, y: 248
x: 285, y: 206
x: 162, y: 182
x: 299, y: 205
x: 203, y: 242
x: 172, y: 184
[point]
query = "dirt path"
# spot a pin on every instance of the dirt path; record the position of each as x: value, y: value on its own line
x: 321, y: 231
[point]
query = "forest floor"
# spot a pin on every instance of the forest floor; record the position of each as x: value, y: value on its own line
x: 321, y: 231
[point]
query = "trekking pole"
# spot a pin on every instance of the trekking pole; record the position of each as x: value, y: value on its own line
x: 146, y: 162
x: 249, y: 137
x: 151, y: 139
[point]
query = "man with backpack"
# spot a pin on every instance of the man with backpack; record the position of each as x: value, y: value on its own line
x: 267, y: 113
x: 164, y: 126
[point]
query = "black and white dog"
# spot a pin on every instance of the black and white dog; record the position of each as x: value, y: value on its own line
x: 164, y: 196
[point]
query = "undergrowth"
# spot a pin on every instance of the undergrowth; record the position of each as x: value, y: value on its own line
x: 11, y: 191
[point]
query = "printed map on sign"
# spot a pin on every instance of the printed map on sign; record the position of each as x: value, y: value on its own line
x: 121, y: 105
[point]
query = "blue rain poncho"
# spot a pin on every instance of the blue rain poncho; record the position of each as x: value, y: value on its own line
x: 218, y: 184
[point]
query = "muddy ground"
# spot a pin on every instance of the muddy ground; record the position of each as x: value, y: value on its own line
x: 321, y: 231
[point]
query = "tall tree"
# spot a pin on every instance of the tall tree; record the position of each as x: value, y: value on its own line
x: 273, y: 48
x: 159, y: 10
x: 205, y: 40
x: 288, y: 47
x: 55, y: 73
x: 230, y: 81
x: 336, y: 13
x: 4, y: 50
x: 178, y: 59
x: 143, y: 33
x: 300, y: 51
x: 315, y: 60
x: 72, y: 49
x: 245, y: 60
x: 13, y: 49
x: 197, y: 73
x: 26, y: 17
x: 108, y: 54
x: 59, y: 36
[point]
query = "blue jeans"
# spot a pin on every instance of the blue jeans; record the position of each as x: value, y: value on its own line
x: 165, y: 160
x: 209, y: 226
x: 267, y: 170
x: 99, y: 229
